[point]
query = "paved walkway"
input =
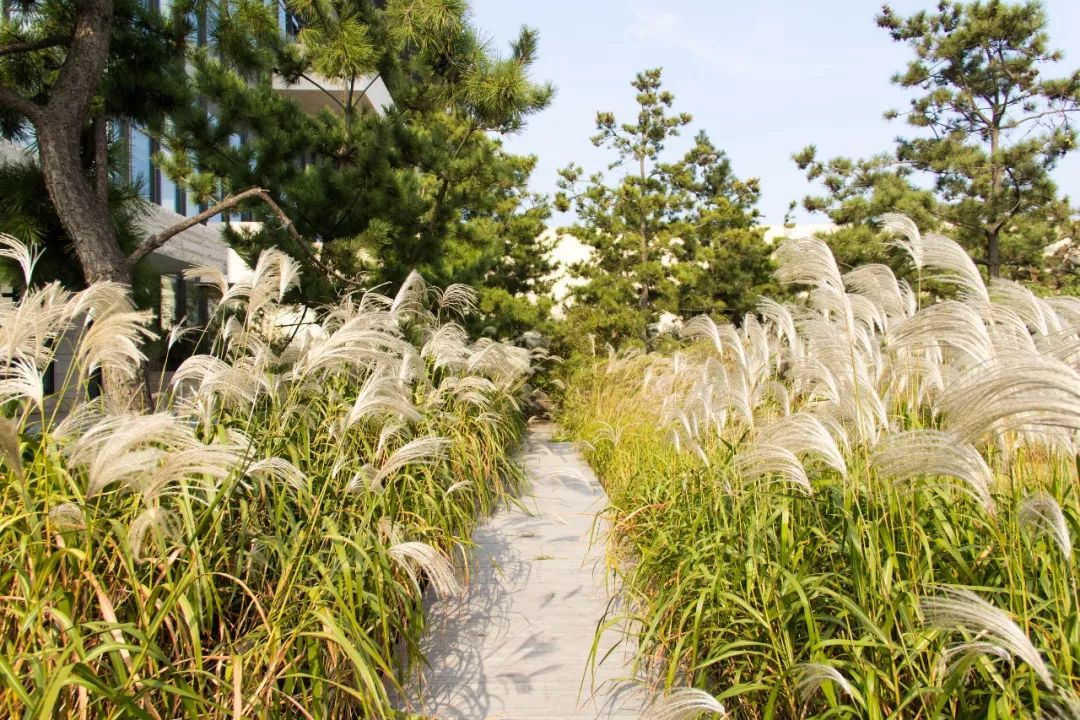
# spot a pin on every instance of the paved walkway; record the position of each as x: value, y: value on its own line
x: 519, y: 644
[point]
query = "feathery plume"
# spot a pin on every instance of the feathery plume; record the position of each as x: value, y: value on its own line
x: 113, y: 340
x: 151, y: 519
x: 382, y: 395
x: 954, y: 608
x: 10, y: 450
x: 67, y: 516
x: 21, y: 379
x: 811, y: 676
x: 803, y: 435
x: 421, y: 451
x: 26, y: 256
x: 458, y: 298
x: 808, y: 261
x: 764, y: 461
x: 685, y: 704
x: 1041, y: 514
x: 279, y: 470
x: 413, y: 556
x: 1013, y: 392
x: 921, y: 453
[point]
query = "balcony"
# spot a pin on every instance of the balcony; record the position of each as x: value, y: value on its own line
x: 315, y: 93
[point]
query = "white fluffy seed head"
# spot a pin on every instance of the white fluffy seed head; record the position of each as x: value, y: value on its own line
x: 952, y: 608
x: 913, y: 454
x: 1040, y: 514
x: 419, y: 556
x: 685, y: 704
x: 809, y: 677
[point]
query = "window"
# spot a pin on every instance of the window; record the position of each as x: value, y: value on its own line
x: 165, y: 192
x: 142, y: 171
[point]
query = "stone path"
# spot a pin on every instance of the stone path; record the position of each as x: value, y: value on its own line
x: 519, y: 644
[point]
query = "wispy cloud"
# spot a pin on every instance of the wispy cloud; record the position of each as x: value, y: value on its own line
x: 667, y: 29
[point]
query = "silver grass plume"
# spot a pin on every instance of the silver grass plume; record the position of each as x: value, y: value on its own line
x: 878, y: 284
x: 447, y: 347
x: 780, y: 318
x: 724, y: 337
x: 1064, y: 707
x: 803, y: 434
x: 214, y: 462
x: 954, y: 608
x: 10, y: 451
x: 1039, y: 317
x: 114, y: 339
x: 413, y: 556
x: 127, y: 449
x: 382, y: 395
x: 955, y: 325
x: 29, y: 327
x: 279, y: 470
x: 25, y: 256
x: 391, y: 432
x: 685, y: 704
x: 808, y: 261
x: 811, y: 676
x: 152, y: 519
x: 1067, y: 310
x: 458, y: 298
x: 275, y: 273
x: 921, y: 453
x: 501, y: 363
x: 1013, y: 392
x: 426, y: 450
x: 947, y: 258
x: 21, y: 380
x: 1041, y: 514
x: 353, y: 345
x: 410, y: 303
x: 953, y: 265
x: 67, y: 516
x: 911, y: 240
x: 959, y: 656
x: 212, y: 276
x: 761, y: 462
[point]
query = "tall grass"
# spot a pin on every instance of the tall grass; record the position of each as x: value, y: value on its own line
x: 257, y: 546
x: 857, y: 504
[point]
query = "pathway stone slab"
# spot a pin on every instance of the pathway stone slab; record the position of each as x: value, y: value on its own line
x: 518, y: 645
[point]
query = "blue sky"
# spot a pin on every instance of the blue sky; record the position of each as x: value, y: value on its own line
x: 763, y: 78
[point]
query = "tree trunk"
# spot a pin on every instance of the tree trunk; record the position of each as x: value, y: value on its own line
x: 993, y: 253
x: 85, y: 216
x: 83, y: 213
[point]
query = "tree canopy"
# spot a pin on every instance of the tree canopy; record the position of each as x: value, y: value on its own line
x: 676, y: 235
x: 990, y: 123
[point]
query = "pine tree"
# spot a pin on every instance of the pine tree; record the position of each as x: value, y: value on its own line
x: 677, y: 236
x: 993, y: 128
x: 422, y: 186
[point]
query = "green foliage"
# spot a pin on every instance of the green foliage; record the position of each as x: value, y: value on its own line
x: 425, y: 185
x: 677, y: 236
x: 994, y: 127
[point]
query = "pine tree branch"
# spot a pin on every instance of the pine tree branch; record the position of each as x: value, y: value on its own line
x: 22, y: 105
x: 34, y: 45
x: 153, y: 242
x: 156, y: 241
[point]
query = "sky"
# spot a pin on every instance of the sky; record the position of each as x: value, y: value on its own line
x: 764, y: 78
